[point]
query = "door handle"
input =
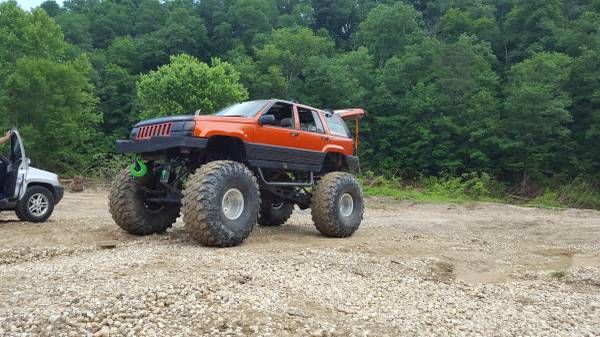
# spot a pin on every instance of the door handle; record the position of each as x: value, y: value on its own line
x: 294, y: 133
x: 324, y: 138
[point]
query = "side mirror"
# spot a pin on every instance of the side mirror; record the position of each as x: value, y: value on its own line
x: 28, y: 161
x: 266, y: 120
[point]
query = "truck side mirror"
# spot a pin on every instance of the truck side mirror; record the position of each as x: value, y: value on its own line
x: 266, y: 120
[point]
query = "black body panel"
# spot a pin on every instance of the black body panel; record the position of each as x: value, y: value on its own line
x: 280, y: 157
x: 353, y: 163
x: 258, y: 155
x: 159, y: 143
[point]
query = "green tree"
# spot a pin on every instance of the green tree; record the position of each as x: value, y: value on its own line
x: 531, y: 26
x: 53, y: 105
x: 116, y: 90
x: 288, y: 51
x: 186, y: 84
x: 340, y: 81
x: 536, y: 116
x: 251, y: 17
x: 76, y: 28
x: 584, y: 86
x: 436, y: 109
x: 27, y: 34
x: 389, y: 29
x: 51, y: 8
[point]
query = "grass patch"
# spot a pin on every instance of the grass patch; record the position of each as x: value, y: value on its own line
x: 578, y: 193
x: 558, y: 274
x: 469, y: 187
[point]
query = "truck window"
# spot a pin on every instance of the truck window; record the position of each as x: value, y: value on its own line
x: 309, y: 121
x: 337, y: 126
x: 284, y: 116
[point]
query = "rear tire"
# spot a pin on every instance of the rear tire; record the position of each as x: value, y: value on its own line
x: 129, y: 210
x: 221, y: 203
x: 337, y: 205
x: 36, y: 205
x: 273, y: 213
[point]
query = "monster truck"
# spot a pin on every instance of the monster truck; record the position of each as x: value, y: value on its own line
x: 250, y: 162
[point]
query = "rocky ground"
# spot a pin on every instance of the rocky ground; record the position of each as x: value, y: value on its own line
x: 410, y: 270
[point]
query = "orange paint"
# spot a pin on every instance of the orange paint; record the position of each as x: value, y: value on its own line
x: 249, y: 130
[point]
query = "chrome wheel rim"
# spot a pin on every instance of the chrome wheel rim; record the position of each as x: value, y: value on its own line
x: 346, y: 204
x: 232, y: 204
x: 38, y: 204
x: 277, y: 205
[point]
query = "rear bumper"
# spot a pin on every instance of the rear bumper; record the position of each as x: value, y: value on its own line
x: 156, y: 144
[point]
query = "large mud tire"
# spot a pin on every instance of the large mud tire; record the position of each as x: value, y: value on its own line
x: 274, y: 213
x: 204, y: 203
x: 330, y: 207
x: 130, y: 212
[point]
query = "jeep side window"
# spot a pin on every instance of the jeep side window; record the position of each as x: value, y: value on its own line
x: 309, y: 120
x: 337, y: 126
x: 284, y: 116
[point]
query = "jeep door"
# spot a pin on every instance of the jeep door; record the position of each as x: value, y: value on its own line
x: 283, y: 131
x: 312, y: 133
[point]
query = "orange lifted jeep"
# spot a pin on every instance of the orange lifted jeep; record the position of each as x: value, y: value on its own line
x: 250, y: 162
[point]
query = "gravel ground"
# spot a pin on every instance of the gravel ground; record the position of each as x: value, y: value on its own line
x: 411, y: 270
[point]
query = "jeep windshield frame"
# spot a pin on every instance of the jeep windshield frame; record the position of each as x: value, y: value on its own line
x: 244, y: 109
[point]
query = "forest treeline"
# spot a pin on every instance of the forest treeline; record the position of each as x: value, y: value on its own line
x: 510, y: 88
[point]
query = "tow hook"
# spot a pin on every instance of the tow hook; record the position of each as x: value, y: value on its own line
x: 138, y: 168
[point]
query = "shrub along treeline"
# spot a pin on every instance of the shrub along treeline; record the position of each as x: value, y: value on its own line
x: 509, y: 88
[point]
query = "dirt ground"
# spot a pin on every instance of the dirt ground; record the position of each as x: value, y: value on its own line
x: 411, y: 269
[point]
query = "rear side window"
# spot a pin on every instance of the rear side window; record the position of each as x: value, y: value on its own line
x: 337, y: 126
x: 310, y: 121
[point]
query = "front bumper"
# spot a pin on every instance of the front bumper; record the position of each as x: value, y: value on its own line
x: 59, y: 193
x: 156, y: 144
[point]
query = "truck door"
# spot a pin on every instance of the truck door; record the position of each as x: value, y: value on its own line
x: 283, y: 132
x: 17, y: 168
x: 312, y: 133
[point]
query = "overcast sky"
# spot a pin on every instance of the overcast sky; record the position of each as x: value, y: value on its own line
x: 29, y: 4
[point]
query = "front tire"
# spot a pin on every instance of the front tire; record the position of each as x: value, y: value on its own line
x: 337, y: 205
x: 130, y: 211
x: 36, y: 205
x: 221, y: 203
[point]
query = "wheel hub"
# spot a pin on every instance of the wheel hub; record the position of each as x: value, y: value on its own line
x: 346, y: 204
x: 38, y: 204
x: 232, y: 204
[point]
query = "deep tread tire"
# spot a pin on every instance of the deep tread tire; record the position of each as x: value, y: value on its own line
x: 202, y: 200
x: 325, y: 205
x: 22, y: 210
x: 274, y: 216
x: 126, y: 205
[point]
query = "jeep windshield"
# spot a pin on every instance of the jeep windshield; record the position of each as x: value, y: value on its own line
x: 245, y: 109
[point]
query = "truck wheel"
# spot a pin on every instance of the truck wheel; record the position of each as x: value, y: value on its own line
x: 274, y: 213
x: 337, y: 205
x: 220, y: 203
x: 36, y: 205
x: 130, y: 210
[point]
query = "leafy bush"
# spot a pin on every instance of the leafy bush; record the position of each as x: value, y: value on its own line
x: 106, y: 167
x: 469, y: 186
